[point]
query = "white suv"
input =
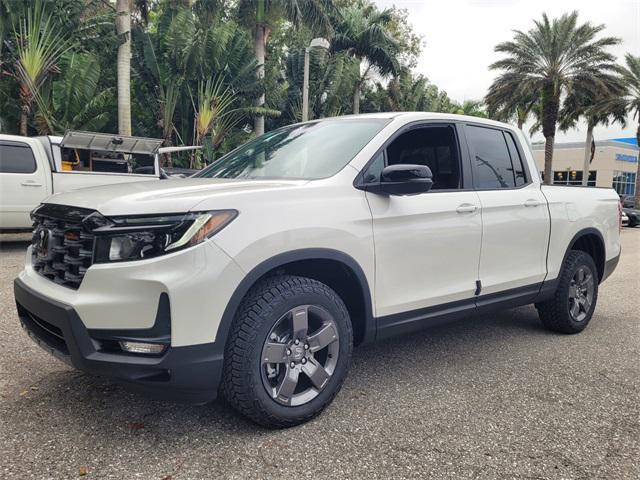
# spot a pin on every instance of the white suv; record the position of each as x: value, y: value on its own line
x: 259, y: 275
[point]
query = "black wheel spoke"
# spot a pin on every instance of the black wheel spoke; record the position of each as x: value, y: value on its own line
x: 300, y: 321
x: 316, y: 373
x: 288, y: 385
x: 275, y: 353
x: 323, y: 337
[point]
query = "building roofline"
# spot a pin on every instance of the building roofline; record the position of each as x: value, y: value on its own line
x: 600, y: 143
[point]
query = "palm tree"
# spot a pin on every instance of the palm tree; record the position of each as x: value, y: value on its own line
x: 409, y: 93
x: 365, y: 36
x: 584, y: 104
x: 39, y: 46
x: 472, y: 108
x: 262, y: 15
x: 186, y: 53
x: 629, y: 101
x: 553, y: 59
x: 505, y: 104
x: 123, y: 28
x: 74, y: 101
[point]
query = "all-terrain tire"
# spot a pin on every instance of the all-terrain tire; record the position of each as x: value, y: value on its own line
x: 555, y: 312
x: 264, y: 306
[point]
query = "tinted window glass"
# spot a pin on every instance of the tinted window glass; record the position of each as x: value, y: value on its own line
x: 492, y: 163
x: 521, y: 178
x: 16, y: 159
x: 436, y: 147
x: 375, y: 169
x: 307, y: 151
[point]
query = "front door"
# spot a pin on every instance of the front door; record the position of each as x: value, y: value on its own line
x: 23, y: 184
x: 427, y: 246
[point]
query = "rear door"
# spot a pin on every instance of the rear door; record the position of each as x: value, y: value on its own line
x: 427, y: 246
x: 515, y: 218
x: 24, y: 183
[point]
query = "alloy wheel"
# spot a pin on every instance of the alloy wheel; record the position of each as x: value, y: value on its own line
x: 581, y: 290
x: 300, y: 355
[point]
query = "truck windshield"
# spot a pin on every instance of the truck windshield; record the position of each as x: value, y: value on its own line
x: 304, y: 151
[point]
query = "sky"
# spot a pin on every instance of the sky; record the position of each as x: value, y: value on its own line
x: 459, y: 37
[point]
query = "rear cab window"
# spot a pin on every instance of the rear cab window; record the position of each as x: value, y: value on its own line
x: 16, y: 157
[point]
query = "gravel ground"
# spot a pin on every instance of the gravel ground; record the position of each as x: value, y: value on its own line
x: 491, y: 397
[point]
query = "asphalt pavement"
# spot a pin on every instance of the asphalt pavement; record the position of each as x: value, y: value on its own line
x: 488, y: 397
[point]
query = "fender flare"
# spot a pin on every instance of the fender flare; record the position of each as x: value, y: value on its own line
x: 549, y: 286
x: 285, y: 258
x: 582, y: 233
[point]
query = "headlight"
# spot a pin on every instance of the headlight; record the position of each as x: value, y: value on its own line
x: 141, y: 237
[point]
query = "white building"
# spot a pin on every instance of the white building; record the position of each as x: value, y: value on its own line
x: 614, y: 164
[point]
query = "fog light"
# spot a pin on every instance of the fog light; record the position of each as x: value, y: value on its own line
x: 142, y: 347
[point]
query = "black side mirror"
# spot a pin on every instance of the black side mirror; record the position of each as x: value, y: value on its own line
x: 404, y: 179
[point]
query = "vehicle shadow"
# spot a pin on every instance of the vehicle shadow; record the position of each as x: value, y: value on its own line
x: 424, y: 358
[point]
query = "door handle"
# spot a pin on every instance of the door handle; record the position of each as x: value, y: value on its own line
x: 532, y: 202
x: 31, y: 184
x: 466, y: 208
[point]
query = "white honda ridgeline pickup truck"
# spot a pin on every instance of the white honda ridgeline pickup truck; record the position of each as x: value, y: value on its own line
x: 257, y: 277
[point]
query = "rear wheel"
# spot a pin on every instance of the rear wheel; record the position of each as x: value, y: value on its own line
x: 573, y: 304
x: 288, y: 351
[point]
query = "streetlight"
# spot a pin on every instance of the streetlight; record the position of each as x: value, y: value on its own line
x: 316, y: 42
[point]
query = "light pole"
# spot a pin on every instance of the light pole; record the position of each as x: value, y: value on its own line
x: 316, y: 42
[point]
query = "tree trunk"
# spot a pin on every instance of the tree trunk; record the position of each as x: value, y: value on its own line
x: 548, y: 160
x: 362, y: 76
x: 258, y: 121
x: 637, y: 205
x: 521, y: 114
x: 587, y: 155
x: 123, y: 28
x: 550, y: 108
x: 167, y: 161
x: 25, y: 108
x: 259, y: 46
x: 24, y: 114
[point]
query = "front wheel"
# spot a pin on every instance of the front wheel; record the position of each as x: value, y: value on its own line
x: 573, y: 304
x: 288, y: 351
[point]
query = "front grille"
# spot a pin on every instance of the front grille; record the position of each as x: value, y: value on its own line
x: 62, y: 246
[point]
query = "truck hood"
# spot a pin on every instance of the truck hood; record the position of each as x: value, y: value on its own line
x: 163, y: 196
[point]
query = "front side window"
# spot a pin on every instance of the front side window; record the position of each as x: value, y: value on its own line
x: 306, y: 151
x: 16, y: 158
x: 491, y: 160
x: 433, y: 146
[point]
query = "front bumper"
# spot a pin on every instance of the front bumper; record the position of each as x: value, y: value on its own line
x: 188, y: 373
x: 198, y: 281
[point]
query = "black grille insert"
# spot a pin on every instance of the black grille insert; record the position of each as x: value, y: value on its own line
x: 62, y: 245
x: 45, y: 331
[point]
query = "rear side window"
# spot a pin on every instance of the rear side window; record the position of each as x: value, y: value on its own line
x: 16, y: 158
x: 491, y: 160
x: 516, y: 160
